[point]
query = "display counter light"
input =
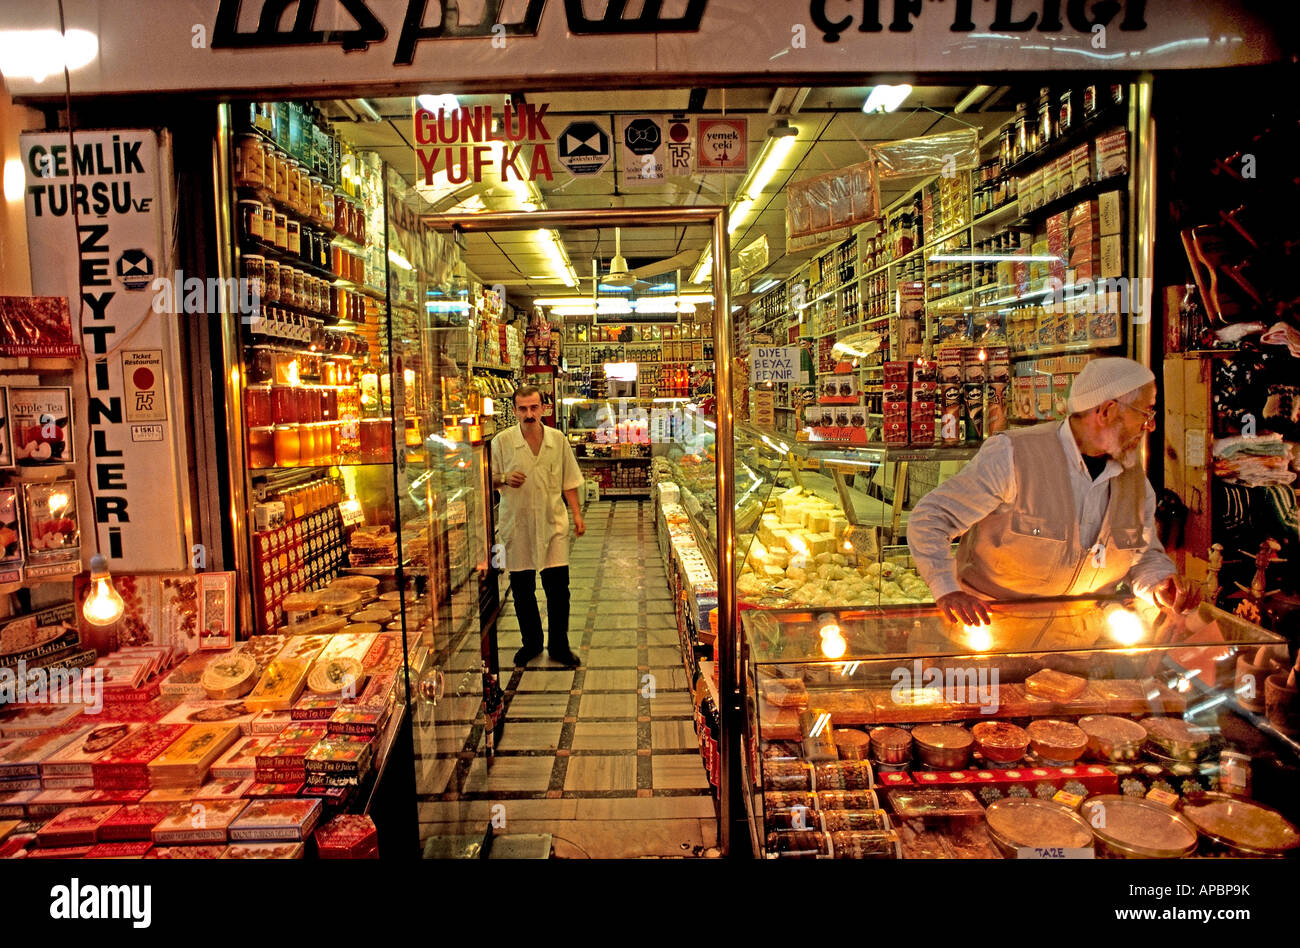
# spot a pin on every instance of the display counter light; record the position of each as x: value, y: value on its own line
x: 833, y: 644
x: 1124, y: 625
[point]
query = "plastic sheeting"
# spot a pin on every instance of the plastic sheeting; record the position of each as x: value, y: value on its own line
x: 945, y: 153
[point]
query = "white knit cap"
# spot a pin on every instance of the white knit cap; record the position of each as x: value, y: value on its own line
x: 1104, y: 379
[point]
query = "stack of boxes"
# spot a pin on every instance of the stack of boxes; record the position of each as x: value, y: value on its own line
x: 910, y: 402
x: 895, y: 402
x: 293, y: 556
x: 924, y: 402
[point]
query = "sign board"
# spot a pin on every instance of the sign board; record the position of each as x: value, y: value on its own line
x: 584, y: 148
x: 776, y: 364
x: 137, y: 456
x: 642, y: 138
x: 722, y: 144
x: 467, y: 144
x: 680, y: 146
x: 259, y: 47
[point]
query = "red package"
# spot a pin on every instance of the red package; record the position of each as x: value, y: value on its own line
x: 348, y: 836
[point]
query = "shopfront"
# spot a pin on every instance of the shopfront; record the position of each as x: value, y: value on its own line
x: 773, y: 293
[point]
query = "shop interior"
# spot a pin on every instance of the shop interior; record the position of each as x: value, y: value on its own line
x: 924, y: 267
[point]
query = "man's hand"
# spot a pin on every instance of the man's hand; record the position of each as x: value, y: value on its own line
x: 1174, y: 596
x: 579, y: 525
x: 516, y: 478
x: 965, y: 608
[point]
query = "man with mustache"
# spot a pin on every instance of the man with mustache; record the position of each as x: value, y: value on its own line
x: 1057, y: 509
x: 537, y: 474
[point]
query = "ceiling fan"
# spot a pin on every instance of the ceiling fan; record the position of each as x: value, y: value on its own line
x: 619, y: 274
x: 622, y: 276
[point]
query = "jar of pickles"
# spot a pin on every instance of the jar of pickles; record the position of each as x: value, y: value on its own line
x: 293, y: 186
x: 281, y: 238
x: 250, y: 162
x: 293, y: 233
x: 283, y: 167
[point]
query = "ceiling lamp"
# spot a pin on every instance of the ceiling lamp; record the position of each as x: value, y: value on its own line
x: 886, y: 98
x: 438, y: 103
x: 780, y: 140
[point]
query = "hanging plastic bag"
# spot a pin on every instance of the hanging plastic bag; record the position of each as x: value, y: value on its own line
x: 943, y: 154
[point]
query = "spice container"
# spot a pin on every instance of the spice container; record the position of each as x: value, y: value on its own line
x: 944, y: 746
x: 843, y: 775
x: 846, y: 800
x: 851, y: 744
x: 1177, y: 738
x: 877, y: 845
x: 787, y: 775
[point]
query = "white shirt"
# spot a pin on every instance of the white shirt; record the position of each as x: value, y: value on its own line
x: 988, y: 481
x: 534, y: 525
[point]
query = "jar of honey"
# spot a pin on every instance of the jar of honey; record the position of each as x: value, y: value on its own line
x: 257, y: 406
x: 261, y: 451
x: 284, y: 405
x: 306, y: 445
x: 287, y: 446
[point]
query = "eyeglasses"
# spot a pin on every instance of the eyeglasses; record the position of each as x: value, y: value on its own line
x: 1148, y: 415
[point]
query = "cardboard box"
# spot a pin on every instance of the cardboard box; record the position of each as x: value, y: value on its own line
x: 276, y: 819
x: 1112, y: 154
x: 1111, y: 253
x: 1110, y: 213
x: 348, y: 836
x: 75, y: 826
x: 134, y: 821
x: 206, y: 822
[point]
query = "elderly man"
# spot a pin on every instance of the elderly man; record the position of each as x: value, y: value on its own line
x: 1057, y: 509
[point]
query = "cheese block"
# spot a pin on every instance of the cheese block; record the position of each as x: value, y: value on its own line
x: 778, y: 558
x: 774, y: 572
x: 1055, y: 685
x: 838, y: 525
x: 819, y: 522
x: 819, y: 543
x: 780, y: 539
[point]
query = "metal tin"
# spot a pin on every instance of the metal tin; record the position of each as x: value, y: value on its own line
x: 1014, y: 823
x: 1130, y: 828
x: 1242, y: 827
x: 1000, y: 741
x: 1113, y: 739
x: 944, y: 746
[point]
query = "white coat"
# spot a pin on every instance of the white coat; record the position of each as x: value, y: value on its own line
x: 534, y: 521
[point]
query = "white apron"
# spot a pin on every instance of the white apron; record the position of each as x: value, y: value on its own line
x: 534, y: 525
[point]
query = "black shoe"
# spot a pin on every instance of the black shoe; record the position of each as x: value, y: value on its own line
x: 526, y: 655
x: 568, y: 659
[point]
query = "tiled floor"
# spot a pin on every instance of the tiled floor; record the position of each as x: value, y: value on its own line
x: 605, y: 758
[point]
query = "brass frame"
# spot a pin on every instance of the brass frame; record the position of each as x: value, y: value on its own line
x: 728, y: 638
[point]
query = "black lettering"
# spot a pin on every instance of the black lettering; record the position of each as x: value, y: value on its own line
x: 1134, y: 15
x: 115, y: 542
x: 226, y: 34
x: 91, y: 237
x: 830, y: 29
x: 1103, y: 11
x: 83, y: 159
x: 36, y: 190
x: 99, y: 413
x: 1002, y: 18
x: 98, y: 303
x: 131, y: 163
x: 115, y: 507
x: 110, y: 476
x: 100, y: 334
x: 904, y: 10
x: 100, y: 191
x: 34, y: 160
x: 101, y: 376
x: 122, y: 201
x: 101, y: 445
x: 1051, y: 22
x: 870, y: 17
x: 94, y: 272
x: 962, y: 22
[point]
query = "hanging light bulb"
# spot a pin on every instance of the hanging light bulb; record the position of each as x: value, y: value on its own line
x: 104, y: 605
x: 833, y: 643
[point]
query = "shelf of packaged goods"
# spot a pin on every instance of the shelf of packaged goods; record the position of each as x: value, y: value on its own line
x: 378, y: 571
x: 951, y: 297
x: 266, y: 197
x: 364, y: 289
x: 873, y: 453
x: 991, y: 218
x: 587, y: 457
x: 251, y: 245
x: 625, y: 492
x: 507, y: 369
x: 985, y: 220
x: 706, y: 673
x: 271, y: 471
x: 1067, y: 348
x: 1087, y: 129
x: 1069, y: 199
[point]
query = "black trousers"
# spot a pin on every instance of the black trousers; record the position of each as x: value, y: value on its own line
x: 555, y: 582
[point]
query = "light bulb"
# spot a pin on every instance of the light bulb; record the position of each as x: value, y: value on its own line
x: 833, y: 644
x: 979, y: 637
x: 58, y: 502
x: 104, y: 605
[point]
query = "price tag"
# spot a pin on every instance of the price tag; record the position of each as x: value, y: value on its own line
x: 1162, y: 796
x: 1072, y: 800
x: 1055, y: 852
x: 351, y: 513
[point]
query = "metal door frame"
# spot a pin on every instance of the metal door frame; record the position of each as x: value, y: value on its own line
x: 728, y: 640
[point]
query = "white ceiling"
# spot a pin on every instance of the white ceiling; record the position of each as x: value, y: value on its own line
x: 833, y: 133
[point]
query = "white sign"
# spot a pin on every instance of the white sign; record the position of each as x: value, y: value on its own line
x: 642, y: 144
x: 776, y: 364
x: 265, y: 47
x: 138, y: 473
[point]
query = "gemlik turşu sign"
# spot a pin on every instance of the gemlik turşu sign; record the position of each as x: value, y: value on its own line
x: 276, y: 45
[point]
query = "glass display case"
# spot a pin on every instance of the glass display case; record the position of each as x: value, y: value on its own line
x: 1092, y: 725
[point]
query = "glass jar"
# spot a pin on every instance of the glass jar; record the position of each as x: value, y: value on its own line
x: 328, y: 208
x: 281, y: 239
x: 300, y: 290
x: 330, y: 398
x: 287, y: 446
x: 261, y: 447
x: 293, y: 237
x: 250, y: 219
x: 376, y: 440
x: 317, y: 205
x: 293, y: 186
x: 282, y: 169
x: 257, y: 406
x: 260, y: 365
x: 250, y: 162
x: 273, y: 286
x: 342, y: 216
x: 306, y: 445
x: 255, y: 272
x: 284, y: 405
